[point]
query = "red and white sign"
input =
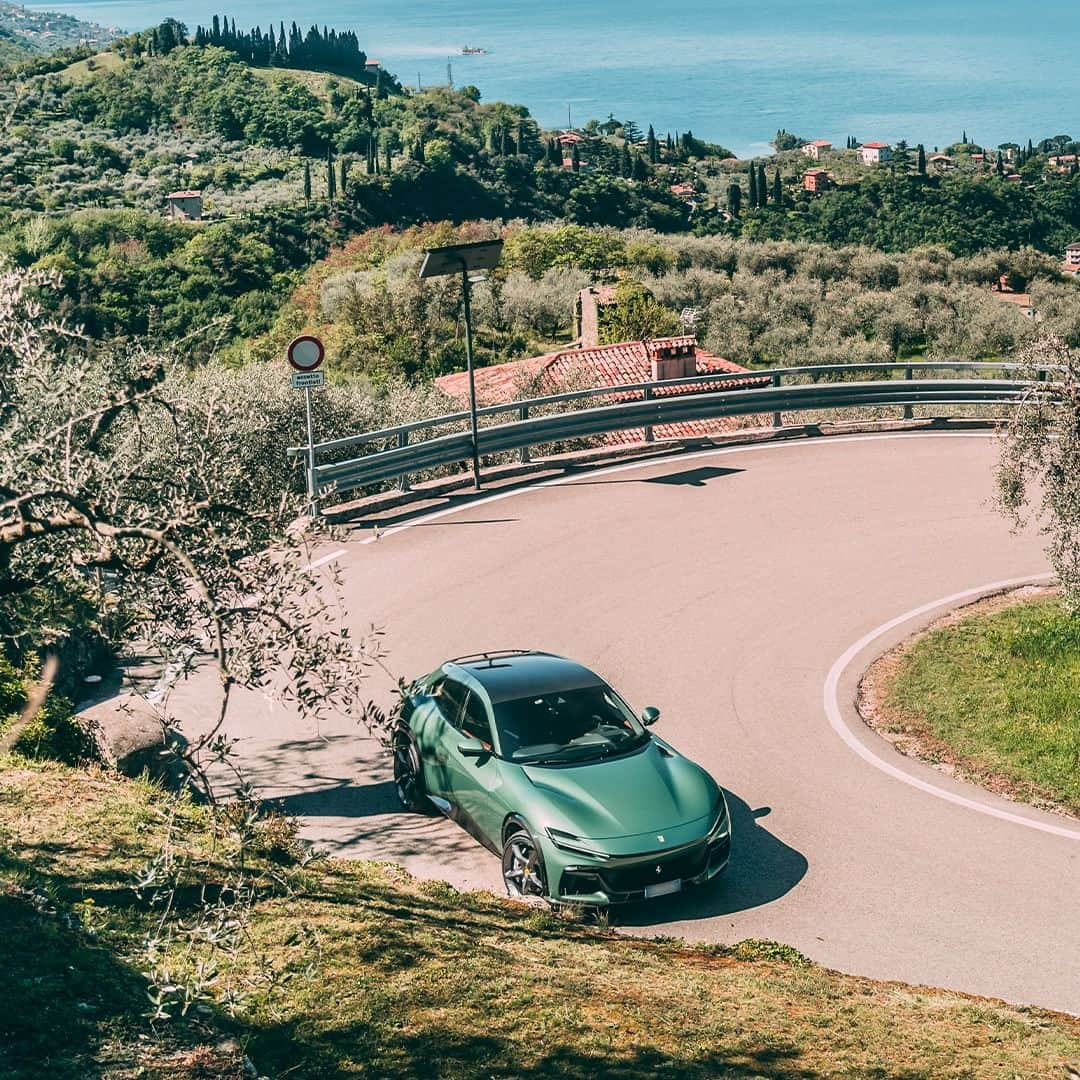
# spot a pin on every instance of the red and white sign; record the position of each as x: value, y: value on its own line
x: 305, y: 352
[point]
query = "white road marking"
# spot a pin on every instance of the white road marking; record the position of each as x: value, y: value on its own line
x: 324, y: 560
x: 828, y: 440
x: 842, y: 728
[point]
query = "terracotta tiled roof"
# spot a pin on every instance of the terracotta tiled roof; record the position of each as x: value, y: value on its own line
x: 875, y: 146
x: 606, y: 365
x: 821, y: 142
x: 184, y: 195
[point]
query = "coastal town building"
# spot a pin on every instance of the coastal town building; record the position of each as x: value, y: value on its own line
x: 875, y: 153
x: 816, y: 181
x: 1072, y: 255
x: 941, y: 162
x: 1062, y: 163
x: 816, y: 148
x: 185, y: 205
x: 628, y: 362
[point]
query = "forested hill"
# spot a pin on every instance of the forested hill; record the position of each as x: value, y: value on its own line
x: 336, y: 51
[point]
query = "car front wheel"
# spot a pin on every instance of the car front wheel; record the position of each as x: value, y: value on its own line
x: 408, y: 775
x: 523, y: 866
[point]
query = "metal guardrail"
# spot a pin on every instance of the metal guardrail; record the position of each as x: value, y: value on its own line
x: 649, y: 405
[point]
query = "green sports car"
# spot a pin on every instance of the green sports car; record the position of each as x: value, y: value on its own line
x: 546, y: 765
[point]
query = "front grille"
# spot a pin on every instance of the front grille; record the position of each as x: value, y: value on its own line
x: 637, y: 876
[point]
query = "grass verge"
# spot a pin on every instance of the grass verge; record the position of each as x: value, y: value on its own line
x: 380, y: 975
x: 991, y: 693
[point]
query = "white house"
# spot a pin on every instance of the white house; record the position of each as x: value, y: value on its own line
x: 875, y: 153
x: 815, y: 149
x: 1072, y: 254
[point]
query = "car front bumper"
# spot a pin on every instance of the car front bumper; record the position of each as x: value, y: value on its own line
x: 638, y: 877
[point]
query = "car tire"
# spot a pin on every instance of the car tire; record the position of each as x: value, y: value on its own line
x: 523, y: 865
x: 409, y: 773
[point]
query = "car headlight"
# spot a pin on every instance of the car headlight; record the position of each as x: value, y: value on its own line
x: 568, y: 842
x: 720, y: 822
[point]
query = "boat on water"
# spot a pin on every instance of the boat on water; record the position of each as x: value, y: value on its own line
x: 472, y: 50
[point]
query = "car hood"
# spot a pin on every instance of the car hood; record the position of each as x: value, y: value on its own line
x: 639, y: 793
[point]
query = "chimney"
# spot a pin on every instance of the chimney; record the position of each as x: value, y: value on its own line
x: 672, y: 358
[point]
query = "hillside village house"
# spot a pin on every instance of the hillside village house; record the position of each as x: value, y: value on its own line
x: 1072, y: 255
x: 628, y: 362
x: 1062, y: 162
x: 816, y: 148
x: 942, y: 162
x: 816, y: 181
x: 185, y: 205
x: 875, y: 153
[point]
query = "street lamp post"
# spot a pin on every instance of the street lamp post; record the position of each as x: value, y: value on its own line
x: 464, y: 259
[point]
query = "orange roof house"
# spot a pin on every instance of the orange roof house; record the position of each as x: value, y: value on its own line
x: 816, y: 148
x: 611, y: 366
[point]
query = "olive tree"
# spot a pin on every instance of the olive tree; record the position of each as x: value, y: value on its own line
x: 1038, y: 474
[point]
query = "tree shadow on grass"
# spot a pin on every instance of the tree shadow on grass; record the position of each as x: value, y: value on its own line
x: 438, y: 1052
x: 60, y: 995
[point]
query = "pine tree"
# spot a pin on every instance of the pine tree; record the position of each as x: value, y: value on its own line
x: 752, y: 198
x: 777, y: 190
x: 922, y: 160
x: 307, y: 181
x: 734, y: 199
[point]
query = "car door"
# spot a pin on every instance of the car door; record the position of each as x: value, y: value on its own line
x: 436, y: 729
x: 472, y: 783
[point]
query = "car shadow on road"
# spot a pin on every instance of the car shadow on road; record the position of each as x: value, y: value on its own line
x: 762, y: 869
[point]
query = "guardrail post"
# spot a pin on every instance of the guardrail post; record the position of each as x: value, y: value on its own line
x: 908, y: 412
x: 523, y: 456
x: 777, y: 419
x: 403, y: 479
x: 648, y: 427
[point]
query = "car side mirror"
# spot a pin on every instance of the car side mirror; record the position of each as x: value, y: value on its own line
x: 649, y: 715
x: 472, y: 748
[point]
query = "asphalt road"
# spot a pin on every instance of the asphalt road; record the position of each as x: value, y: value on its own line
x: 724, y: 587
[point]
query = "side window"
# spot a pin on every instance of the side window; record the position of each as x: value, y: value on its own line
x: 451, y: 697
x: 474, y: 720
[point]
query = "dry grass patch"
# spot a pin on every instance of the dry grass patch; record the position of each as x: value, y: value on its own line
x: 388, y: 976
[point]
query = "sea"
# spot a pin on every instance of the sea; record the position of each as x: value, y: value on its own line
x: 731, y: 72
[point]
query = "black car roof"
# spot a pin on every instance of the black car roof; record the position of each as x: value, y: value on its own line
x: 507, y: 676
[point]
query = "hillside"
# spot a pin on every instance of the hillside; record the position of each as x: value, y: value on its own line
x: 25, y: 33
x: 358, y: 969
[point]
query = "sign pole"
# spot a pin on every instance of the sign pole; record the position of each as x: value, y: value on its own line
x: 305, y: 353
x: 472, y: 379
x: 313, y: 497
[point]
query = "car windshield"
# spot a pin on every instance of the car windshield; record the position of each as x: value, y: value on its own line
x: 569, y: 726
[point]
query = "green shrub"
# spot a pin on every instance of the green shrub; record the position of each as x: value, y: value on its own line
x: 54, y: 732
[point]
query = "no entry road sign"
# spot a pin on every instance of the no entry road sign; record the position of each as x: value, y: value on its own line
x: 305, y: 353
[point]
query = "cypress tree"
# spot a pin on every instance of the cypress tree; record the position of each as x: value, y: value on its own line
x: 307, y: 181
x: 331, y: 183
x: 343, y: 174
x: 625, y: 164
x: 215, y: 31
x: 734, y: 199
x: 389, y: 157
x: 752, y: 198
x: 922, y: 160
x: 651, y: 147
x: 640, y: 170
x: 762, y: 186
x: 575, y: 159
x: 370, y: 163
x: 777, y: 190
